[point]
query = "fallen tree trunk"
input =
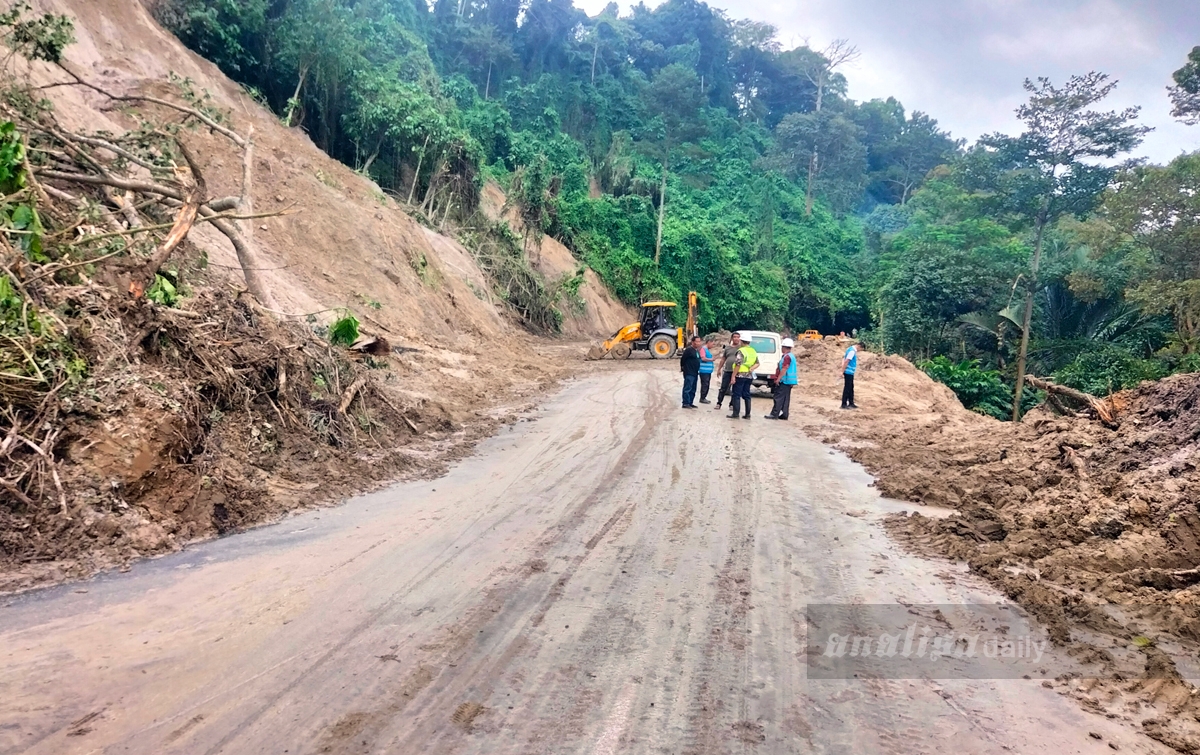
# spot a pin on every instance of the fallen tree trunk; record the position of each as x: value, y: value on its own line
x: 1102, y: 409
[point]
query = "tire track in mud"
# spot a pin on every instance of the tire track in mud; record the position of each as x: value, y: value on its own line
x: 723, y: 670
x: 619, y: 667
x: 875, y: 715
x: 417, y: 679
x: 473, y: 681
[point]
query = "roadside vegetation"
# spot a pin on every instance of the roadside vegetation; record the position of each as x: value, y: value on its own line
x: 679, y: 149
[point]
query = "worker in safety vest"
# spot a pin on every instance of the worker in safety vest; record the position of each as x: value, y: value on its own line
x: 744, y: 364
x: 784, y: 378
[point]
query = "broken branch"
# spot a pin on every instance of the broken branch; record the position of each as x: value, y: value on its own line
x: 179, y: 230
x: 351, y: 392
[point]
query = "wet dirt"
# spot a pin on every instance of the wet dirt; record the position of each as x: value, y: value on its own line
x: 1093, y: 529
x: 562, y: 590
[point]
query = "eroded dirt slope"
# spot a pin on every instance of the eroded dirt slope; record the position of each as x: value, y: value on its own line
x: 215, y: 415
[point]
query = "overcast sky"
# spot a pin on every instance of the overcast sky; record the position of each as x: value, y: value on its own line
x: 963, y: 61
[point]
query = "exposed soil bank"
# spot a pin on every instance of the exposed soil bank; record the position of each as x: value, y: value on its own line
x: 1096, y: 530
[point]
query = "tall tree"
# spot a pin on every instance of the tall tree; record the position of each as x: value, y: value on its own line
x: 1050, y: 177
x: 901, y: 150
x: 819, y: 70
x: 1159, y: 207
x: 486, y: 50
x: 673, y: 101
x: 1185, y: 95
x: 842, y: 165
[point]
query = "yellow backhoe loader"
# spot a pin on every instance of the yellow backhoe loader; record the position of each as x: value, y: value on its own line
x: 653, y: 333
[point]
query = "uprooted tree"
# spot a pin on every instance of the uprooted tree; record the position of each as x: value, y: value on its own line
x: 82, y: 212
x: 103, y: 306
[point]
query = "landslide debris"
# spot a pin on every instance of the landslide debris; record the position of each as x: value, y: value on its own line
x: 140, y: 414
x: 1095, y: 529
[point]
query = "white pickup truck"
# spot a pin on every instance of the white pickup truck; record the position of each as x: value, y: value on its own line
x: 766, y: 344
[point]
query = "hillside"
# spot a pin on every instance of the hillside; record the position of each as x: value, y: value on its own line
x: 598, y: 314
x: 166, y: 448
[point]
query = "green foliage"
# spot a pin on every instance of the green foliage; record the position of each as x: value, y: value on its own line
x: 43, y: 37
x: 1185, y: 95
x: 12, y: 159
x: 163, y: 291
x: 978, y: 389
x: 18, y: 214
x: 35, y: 355
x: 344, y: 330
x: 1107, y: 369
x: 940, y: 268
x: 224, y: 31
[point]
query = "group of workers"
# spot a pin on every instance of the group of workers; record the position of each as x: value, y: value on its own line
x: 737, y: 363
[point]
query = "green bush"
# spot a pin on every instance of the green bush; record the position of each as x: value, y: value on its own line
x: 978, y: 389
x: 1109, y: 368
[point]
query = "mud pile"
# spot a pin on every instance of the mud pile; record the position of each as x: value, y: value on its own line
x: 1110, y: 512
x: 1096, y: 530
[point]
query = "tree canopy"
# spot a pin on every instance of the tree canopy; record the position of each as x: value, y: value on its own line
x: 675, y: 148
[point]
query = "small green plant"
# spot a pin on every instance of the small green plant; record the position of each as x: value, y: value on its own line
x: 17, y: 212
x: 327, y: 179
x: 369, y: 302
x: 257, y: 95
x: 344, y: 330
x: 163, y: 291
x: 12, y: 159
x: 420, y: 265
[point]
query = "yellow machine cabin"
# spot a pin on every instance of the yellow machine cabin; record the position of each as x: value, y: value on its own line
x: 653, y: 332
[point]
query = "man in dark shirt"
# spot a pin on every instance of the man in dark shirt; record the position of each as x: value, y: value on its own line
x: 689, y: 365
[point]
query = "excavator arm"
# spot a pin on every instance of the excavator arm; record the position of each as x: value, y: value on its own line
x: 630, y: 332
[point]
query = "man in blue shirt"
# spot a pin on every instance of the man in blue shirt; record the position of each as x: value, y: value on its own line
x: 849, y: 367
x: 783, y: 379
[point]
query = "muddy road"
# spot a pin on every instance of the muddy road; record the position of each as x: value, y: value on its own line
x: 612, y: 575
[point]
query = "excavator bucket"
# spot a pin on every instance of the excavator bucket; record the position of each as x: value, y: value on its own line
x: 596, y: 352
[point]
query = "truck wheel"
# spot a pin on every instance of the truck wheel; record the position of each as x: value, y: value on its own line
x: 621, y: 351
x: 662, y: 347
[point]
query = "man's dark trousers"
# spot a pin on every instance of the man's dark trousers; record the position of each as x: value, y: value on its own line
x: 741, y: 390
x: 726, y: 386
x: 848, y: 391
x: 783, y: 401
x: 689, y: 390
x: 705, y: 382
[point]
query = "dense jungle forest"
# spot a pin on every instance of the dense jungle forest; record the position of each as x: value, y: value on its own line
x: 676, y: 148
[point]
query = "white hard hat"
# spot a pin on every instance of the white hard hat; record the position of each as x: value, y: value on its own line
x: 788, y: 343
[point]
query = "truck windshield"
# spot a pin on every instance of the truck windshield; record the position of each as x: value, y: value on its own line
x: 763, y: 345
